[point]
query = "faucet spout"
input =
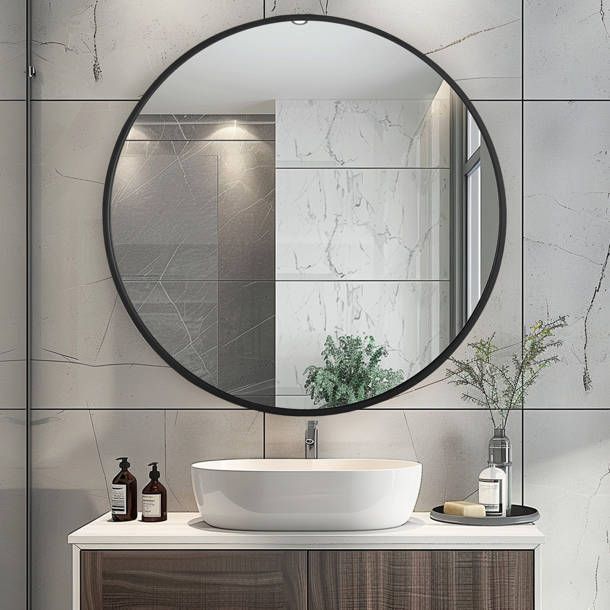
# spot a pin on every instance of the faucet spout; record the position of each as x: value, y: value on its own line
x: 311, y: 439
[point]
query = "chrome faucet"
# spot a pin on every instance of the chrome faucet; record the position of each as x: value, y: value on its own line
x: 311, y: 439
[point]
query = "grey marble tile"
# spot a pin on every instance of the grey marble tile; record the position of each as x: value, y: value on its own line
x: 451, y: 445
x: 567, y: 245
x: 164, y: 211
x: 183, y: 318
x: 566, y: 49
x: 477, y: 43
x: 247, y: 339
x: 409, y: 318
x: 73, y: 461
x: 368, y: 224
x: 193, y: 436
x: 102, y: 50
x: 12, y: 50
x: 363, y: 133
x: 13, y: 508
x: 567, y: 477
x: 12, y: 262
x: 203, y: 127
x: 502, y: 314
x: 87, y: 351
x: 246, y: 204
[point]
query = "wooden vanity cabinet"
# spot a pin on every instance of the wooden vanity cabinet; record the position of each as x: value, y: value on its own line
x: 306, y: 579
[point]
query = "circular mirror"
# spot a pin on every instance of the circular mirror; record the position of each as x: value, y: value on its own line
x: 304, y: 213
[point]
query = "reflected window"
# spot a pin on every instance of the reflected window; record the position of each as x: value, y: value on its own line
x: 472, y: 178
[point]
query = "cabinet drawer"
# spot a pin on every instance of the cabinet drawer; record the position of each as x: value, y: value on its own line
x: 421, y: 580
x: 193, y: 580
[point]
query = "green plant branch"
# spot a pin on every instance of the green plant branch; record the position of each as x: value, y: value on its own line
x: 500, y: 388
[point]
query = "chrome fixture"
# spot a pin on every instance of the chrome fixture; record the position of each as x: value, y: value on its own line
x: 311, y: 439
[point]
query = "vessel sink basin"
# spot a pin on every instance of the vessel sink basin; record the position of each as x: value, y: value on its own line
x: 309, y: 495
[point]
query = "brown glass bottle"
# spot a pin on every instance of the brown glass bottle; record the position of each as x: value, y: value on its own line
x: 154, y: 498
x: 124, y: 498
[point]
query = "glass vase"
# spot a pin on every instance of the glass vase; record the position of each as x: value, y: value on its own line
x: 500, y: 454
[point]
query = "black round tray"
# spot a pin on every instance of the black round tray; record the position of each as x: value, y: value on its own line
x: 518, y: 514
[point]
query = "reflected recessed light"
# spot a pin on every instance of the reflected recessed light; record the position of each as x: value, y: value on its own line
x: 300, y: 21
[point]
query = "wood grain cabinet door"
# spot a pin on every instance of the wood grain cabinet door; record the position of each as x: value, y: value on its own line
x: 193, y: 580
x: 421, y: 580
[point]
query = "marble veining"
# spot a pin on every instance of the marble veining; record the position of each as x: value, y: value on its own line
x: 362, y: 224
x: 480, y: 48
x: 569, y: 481
x: 183, y: 318
x: 164, y: 211
x: 410, y: 318
x: 362, y: 133
x: 567, y: 238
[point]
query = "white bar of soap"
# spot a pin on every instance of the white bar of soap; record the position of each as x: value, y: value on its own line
x: 464, y: 509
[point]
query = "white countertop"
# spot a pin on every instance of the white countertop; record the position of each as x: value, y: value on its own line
x: 188, y: 530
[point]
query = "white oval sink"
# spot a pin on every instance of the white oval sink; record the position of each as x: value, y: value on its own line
x: 318, y: 495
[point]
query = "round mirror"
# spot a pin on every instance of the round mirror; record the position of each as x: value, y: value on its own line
x: 304, y: 213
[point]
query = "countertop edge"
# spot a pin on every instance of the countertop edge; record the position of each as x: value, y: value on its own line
x: 181, y: 531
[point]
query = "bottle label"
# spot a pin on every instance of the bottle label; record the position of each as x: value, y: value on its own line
x: 490, y: 495
x: 118, y: 499
x: 151, y: 505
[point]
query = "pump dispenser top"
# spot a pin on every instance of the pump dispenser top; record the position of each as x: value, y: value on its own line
x: 154, y: 473
x: 124, y: 465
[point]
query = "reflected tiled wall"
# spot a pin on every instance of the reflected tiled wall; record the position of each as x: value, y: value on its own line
x: 193, y: 232
x: 94, y: 371
x: 362, y: 214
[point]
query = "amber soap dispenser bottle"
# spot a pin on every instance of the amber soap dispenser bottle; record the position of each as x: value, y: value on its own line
x: 124, y: 499
x: 154, y: 498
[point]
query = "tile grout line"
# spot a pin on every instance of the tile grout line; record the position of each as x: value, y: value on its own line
x: 522, y: 237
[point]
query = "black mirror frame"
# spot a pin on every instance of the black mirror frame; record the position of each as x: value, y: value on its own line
x: 412, y: 381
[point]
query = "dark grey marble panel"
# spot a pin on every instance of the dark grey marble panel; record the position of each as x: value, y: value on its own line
x: 203, y: 127
x: 164, y: 211
x: 246, y: 209
x: 246, y: 356
x: 183, y: 317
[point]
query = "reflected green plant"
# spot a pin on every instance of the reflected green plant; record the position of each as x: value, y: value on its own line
x: 351, y: 372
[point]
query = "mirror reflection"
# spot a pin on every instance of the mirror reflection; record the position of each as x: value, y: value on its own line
x: 303, y: 215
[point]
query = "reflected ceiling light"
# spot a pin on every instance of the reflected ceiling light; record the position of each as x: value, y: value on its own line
x: 300, y: 21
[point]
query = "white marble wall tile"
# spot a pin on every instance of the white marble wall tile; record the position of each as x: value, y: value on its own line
x: 410, y: 318
x: 451, y: 445
x: 362, y: 224
x: 87, y: 350
x: 567, y: 245
x: 502, y: 314
x: 566, y: 49
x: 12, y: 50
x: 12, y: 262
x: 567, y: 477
x: 362, y: 133
x: 477, y: 42
x: 194, y: 436
x: 12, y: 508
x: 113, y: 49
